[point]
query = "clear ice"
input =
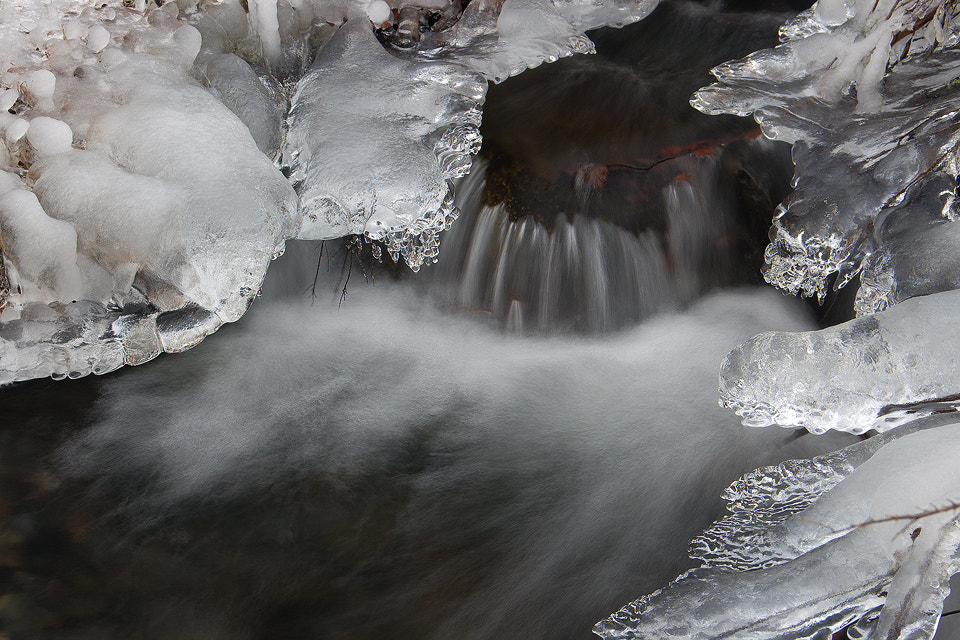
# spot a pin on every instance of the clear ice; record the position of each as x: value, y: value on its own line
x: 502, y: 40
x: 374, y: 141
x: 866, y: 141
x: 869, y: 373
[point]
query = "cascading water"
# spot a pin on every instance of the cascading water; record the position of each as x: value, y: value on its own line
x: 586, y: 274
x: 600, y: 199
x: 386, y: 470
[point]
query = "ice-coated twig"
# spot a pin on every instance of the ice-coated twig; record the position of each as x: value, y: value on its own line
x: 852, y: 377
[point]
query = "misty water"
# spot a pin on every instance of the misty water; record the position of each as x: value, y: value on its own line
x: 512, y: 444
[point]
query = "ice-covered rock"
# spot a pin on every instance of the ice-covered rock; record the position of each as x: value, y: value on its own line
x: 374, y: 141
x: 866, y: 140
x: 867, y: 536
x: 870, y: 373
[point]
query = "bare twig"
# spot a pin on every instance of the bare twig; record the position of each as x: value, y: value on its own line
x: 343, y: 292
x: 316, y: 276
x: 910, y: 518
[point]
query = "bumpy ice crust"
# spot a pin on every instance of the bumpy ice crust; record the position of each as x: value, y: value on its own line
x: 164, y: 246
x: 870, y: 373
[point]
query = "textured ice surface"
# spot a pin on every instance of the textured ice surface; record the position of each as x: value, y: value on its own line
x: 374, y: 140
x: 919, y: 250
x: 525, y: 34
x: 865, y: 142
x: 140, y: 218
x: 865, y: 536
x: 872, y: 372
x: 614, y: 13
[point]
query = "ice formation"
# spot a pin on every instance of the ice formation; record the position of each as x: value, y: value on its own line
x: 869, y: 373
x: 523, y: 34
x: 121, y: 239
x: 366, y: 160
x: 866, y: 92
x: 139, y: 204
x: 917, y: 252
x: 867, y: 536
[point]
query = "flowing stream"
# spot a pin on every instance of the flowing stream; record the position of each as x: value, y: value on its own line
x: 512, y: 444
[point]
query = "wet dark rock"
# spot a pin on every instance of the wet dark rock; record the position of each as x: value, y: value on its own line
x: 615, y: 123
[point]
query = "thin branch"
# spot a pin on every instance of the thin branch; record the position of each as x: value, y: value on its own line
x: 911, y: 517
x: 343, y: 292
x: 316, y: 276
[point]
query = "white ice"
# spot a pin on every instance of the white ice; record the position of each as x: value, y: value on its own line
x: 145, y: 223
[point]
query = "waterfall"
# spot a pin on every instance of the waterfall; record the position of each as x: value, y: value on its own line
x: 585, y: 274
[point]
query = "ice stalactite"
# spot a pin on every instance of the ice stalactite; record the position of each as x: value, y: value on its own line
x: 866, y: 141
x: 264, y: 22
